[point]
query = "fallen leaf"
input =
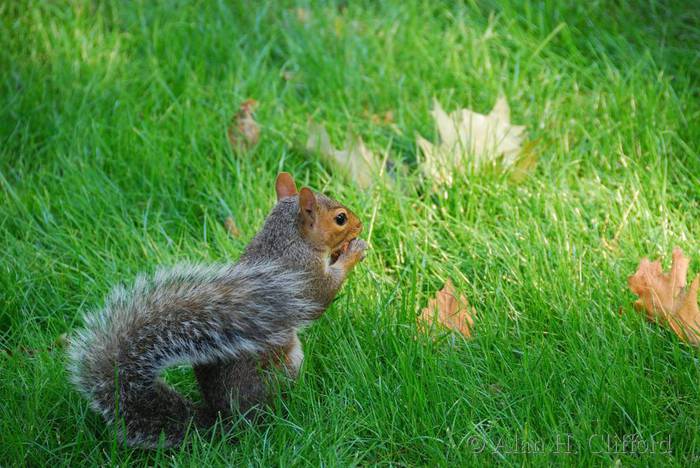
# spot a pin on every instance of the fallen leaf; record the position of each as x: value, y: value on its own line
x: 244, y: 131
x: 664, y: 298
x: 385, y: 118
x: 231, y: 227
x: 355, y: 160
x: 449, y: 311
x: 470, y: 141
x: 388, y: 117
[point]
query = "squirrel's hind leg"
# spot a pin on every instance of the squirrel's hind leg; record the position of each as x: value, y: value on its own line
x: 238, y: 385
x: 229, y: 386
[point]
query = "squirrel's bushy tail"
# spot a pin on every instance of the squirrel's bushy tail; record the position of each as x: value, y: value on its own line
x: 183, y: 315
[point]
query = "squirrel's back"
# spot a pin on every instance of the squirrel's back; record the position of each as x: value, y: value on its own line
x: 185, y: 314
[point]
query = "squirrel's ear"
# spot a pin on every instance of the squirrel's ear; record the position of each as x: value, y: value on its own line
x: 285, y: 185
x: 307, y: 203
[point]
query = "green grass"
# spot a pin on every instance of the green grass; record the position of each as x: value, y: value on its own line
x: 114, y: 159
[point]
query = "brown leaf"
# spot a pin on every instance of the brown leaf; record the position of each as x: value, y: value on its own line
x: 388, y: 117
x: 231, y: 227
x: 448, y: 310
x: 244, y: 131
x: 384, y: 118
x: 664, y: 298
x: 356, y: 160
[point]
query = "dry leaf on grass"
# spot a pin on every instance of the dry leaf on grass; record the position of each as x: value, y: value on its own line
x: 383, y: 118
x: 231, y: 227
x: 664, y: 297
x: 244, y: 131
x: 355, y: 160
x: 448, y: 310
x: 470, y: 141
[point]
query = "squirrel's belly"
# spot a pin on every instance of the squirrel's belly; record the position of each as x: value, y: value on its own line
x: 294, y: 357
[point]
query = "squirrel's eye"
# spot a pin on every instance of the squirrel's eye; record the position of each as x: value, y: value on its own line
x: 341, y: 218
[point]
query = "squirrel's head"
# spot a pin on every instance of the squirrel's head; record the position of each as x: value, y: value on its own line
x: 324, y: 223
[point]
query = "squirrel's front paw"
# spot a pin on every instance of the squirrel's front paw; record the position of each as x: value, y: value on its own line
x: 353, y: 253
x: 357, y: 247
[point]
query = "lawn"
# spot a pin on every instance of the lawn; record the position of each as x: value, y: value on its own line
x: 114, y: 159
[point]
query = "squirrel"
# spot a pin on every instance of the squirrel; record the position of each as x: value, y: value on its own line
x: 227, y: 321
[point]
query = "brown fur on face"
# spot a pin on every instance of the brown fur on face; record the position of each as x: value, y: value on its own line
x: 336, y: 236
x: 327, y: 225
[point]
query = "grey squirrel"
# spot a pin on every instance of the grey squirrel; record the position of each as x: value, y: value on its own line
x: 227, y: 321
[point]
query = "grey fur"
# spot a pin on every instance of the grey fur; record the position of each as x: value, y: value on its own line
x: 221, y: 319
